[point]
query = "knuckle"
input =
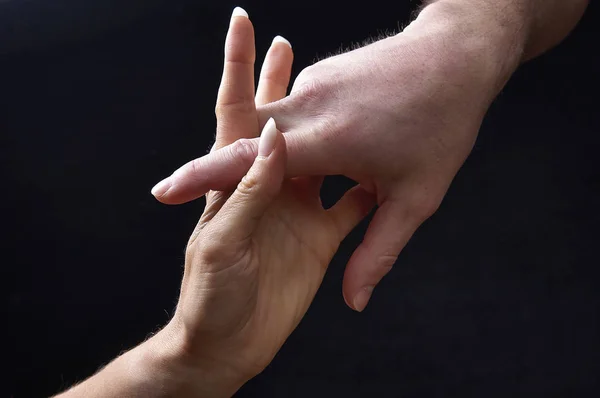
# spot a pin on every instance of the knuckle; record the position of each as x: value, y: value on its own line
x: 208, y: 255
x: 219, y: 110
x: 249, y: 184
x: 275, y: 77
x: 213, y: 249
x: 236, y: 105
x: 243, y: 149
x: 310, y: 84
x: 385, y: 262
x: 305, y: 75
x: 424, y: 206
x: 384, y: 258
x: 195, y: 167
x: 311, y: 89
x: 206, y: 249
x: 211, y: 254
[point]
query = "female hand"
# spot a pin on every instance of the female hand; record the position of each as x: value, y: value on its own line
x: 258, y: 255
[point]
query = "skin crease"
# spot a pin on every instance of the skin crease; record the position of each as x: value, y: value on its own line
x: 253, y: 263
x: 398, y: 116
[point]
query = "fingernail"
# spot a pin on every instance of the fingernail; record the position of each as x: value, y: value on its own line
x: 239, y: 12
x: 267, y: 139
x: 281, y: 39
x: 162, y: 187
x: 362, y: 298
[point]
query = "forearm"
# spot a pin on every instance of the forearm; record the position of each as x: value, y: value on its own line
x: 542, y: 24
x: 489, y: 39
x: 550, y: 22
x: 136, y: 373
x: 156, y: 368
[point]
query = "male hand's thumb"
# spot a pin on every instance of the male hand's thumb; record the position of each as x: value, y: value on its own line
x: 244, y: 209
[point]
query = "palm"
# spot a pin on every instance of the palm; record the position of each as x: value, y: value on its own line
x: 292, y: 247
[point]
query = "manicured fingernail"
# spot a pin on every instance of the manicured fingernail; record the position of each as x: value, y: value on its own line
x: 239, y: 12
x: 281, y: 39
x: 362, y: 298
x: 162, y: 187
x: 267, y: 139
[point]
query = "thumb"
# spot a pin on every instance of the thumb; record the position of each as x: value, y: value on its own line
x: 389, y: 231
x: 241, y: 214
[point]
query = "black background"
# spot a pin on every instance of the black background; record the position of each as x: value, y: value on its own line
x: 495, y: 296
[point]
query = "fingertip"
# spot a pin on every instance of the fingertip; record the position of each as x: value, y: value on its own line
x: 170, y: 192
x: 281, y: 148
x: 161, y: 188
x: 355, y: 277
x: 281, y: 39
x: 363, y: 272
x: 272, y: 144
x: 268, y: 139
x: 259, y: 186
x: 273, y: 164
x: 239, y: 12
x: 358, y: 300
x: 171, y: 196
x: 239, y: 41
x: 362, y: 298
x: 387, y: 234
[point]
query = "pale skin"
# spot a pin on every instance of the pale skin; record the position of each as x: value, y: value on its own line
x: 250, y: 273
x: 399, y: 116
x: 253, y: 263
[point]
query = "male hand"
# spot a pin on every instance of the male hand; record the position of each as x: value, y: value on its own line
x: 399, y: 116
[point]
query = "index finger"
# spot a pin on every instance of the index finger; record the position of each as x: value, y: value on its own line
x: 235, y: 109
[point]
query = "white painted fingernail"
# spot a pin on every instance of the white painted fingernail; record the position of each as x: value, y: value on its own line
x: 162, y: 187
x: 239, y: 12
x: 266, y: 144
x: 281, y: 39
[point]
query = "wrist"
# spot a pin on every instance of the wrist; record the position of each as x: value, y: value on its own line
x: 166, y: 359
x: 488, y: 36
x: 159, y: 367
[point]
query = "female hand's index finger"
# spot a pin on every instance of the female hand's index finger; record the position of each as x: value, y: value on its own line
x: 235, y: 109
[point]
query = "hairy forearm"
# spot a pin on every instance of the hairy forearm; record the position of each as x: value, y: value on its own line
x: 157, y: 368
x: 489, y: 39
x: 551, y: 22
x: 541, y: 23
x: 136, y: 373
